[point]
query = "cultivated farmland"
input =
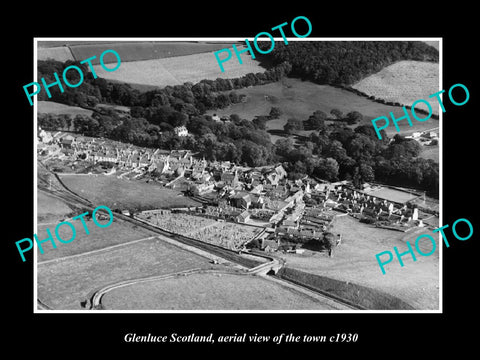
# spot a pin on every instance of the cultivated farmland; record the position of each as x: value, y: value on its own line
x: 180, y: 69
x: 404, y: 82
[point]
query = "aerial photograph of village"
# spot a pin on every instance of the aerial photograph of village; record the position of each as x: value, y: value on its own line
x: 263, y: 187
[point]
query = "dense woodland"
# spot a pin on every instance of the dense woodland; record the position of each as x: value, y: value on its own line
x: 332, y: 152
x: 345, y: 62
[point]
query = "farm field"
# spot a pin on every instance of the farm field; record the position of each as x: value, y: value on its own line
x: 63, y: 284
x: 178, y: 70
x: 125, y: 194
x: 404, y: 82
x: 209, y: 291
x: 299, y: 99
x: 144, y: 50
x: 50, y: 208
x: 118, y: 232
x: 128, y: 50
x: 51, y: 107
x: 61, y: 53
x: 417, y: 283
x: 226, y: 234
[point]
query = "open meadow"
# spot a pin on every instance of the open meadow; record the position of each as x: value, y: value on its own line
x: 125, y: 194
x: 51, y: 107
x: 299, y: 99
x: 417, y: 283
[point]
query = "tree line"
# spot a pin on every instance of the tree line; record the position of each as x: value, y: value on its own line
x: 345, y: 62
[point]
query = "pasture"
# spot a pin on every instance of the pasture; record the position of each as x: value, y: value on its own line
x: 125, y: 194
x: 404, y: 82
x: 430, y: 152
x: 61, y: 53
x: 299, y: 99
x: 51, y: 107
x: 118, y: 232
x: 50, y: 208
x: 209, y: 291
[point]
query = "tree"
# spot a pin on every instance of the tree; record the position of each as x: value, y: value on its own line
x: 284, y: 146
x: 317, y: 120
x: 354, y: 117
x: 275, y: 113
x: 260, y: 122
x: 337, y: 114
x: 327, y: 169
x: 293, y: 125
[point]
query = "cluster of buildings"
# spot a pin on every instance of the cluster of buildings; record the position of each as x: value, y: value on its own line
x: 427, y: 137
x: 290, y: 210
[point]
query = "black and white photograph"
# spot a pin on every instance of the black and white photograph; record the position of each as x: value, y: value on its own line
x: 299, y: 179
x: 264, y: 182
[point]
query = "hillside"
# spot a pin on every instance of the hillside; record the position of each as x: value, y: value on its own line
x: 404, y: 82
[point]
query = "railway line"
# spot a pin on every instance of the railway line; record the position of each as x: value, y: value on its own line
x: 263, y: 266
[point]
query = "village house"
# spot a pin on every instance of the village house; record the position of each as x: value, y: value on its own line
x: 180, y: 131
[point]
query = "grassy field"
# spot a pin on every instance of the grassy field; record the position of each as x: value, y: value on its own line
x: 61, y: 53
x: 299, y: 99
x: 65, y: 283
x: 118, y: 232
x: 50, y: 208
x: 404, y: 82
x: 417, y: 283
x: 125, y: 194
x: 430, y: 152
x: 51, y: 107
x: 209, y: 292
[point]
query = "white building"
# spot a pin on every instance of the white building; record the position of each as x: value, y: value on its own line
x: 181, y: 131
